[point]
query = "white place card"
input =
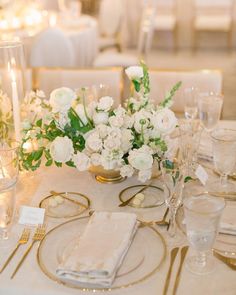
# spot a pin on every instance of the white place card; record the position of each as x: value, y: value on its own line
x: 31, y: 215
x: 201, y: 174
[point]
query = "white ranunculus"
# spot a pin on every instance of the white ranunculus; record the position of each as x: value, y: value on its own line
x: 61, y: 149
x: 94, y: 142
x: 116, y: 121
x: 126, y: 171
x: 95, y: 159
x: 141, y: 159
x: 61, y: 99
x: 105, y: 103
x: 164, y: 121
x: 81, y: 113
x: 134, y: 72
x: 81, y: 161
x: 144, y: 175
x: 126, y: 140
x: 128, y: 121
x: 100, y: 118
x: 111, y: 143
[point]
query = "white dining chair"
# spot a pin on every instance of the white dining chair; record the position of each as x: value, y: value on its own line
x: 111, y: 58
x: 109, y: 20
x: 166, y: 18
x: 213, y: 15
x: 52, y: 48
x: 48, y: 79
x: 161, y: 82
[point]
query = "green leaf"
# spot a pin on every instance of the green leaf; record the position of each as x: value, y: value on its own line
x: 58, y: 164
x: 137, y: 85
x: 39, y: 123
x: 70, y: 164
x: 187, y: 179
x: 38, y: 154
x: 170, y: 95
x: 49, y: 163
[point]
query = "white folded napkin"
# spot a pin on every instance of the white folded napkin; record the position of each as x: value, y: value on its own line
x: 228, y: 221
x: 100, y: 249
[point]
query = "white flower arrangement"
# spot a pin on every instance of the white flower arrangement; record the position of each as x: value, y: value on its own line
x: 128, y: 139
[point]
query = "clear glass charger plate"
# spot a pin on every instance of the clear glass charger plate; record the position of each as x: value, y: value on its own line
x: 225, y: 243
x: 153, y: 196
x: 140, y: 263
x: 71, y: 204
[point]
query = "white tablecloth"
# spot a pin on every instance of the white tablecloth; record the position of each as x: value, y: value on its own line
x: 31, y: 281
x: 83, y: 34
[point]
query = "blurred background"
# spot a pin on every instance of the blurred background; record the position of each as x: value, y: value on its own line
x: 170, y: 35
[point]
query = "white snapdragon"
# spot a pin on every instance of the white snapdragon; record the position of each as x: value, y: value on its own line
x: 141, y: 159
x: 61, y: 149
x: 105, y: 103
x: 81, y: 161
x: 134, y: 72
x: 61, y: 99
x: 94, y: 142
x: 164, y: 120
x: 126, y: 171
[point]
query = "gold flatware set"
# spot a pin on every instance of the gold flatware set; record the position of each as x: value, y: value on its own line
x: 25, y: 236
x: 173, y: 256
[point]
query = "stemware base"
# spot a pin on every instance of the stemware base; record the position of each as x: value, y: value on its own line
x: 200, y: 267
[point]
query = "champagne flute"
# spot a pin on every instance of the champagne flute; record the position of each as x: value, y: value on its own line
x: 173, y: 178
x: 202, y: 217
x: 190, y: 102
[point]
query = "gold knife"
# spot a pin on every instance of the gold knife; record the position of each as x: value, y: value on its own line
x: 173, y: 255
x: 184, y: 251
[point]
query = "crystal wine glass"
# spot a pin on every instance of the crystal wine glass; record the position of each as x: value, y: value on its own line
x: 190, y: 102
x: 173, y: 178
x: 224, y: 155
x: 202, y: 217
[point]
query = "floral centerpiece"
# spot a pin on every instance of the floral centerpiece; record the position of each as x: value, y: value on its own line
x: 64, y: 130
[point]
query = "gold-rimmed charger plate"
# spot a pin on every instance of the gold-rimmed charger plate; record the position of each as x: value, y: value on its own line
x: 72, y: 204
x: 225, y: 243
x: 153, y: 196
x: 141, y: 262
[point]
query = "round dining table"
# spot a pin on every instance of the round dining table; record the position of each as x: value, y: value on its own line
x: 30, y: 280
x: 82, y: 32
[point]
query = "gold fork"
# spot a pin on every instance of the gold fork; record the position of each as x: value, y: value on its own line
x: 23, y: 240
x: 38, y: 236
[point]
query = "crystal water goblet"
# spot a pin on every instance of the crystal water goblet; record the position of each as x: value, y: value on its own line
x: 209, y: 108
x: 191, y: 102
x: 202, y: 217
x: 224, y: 156
x: 173, y: 178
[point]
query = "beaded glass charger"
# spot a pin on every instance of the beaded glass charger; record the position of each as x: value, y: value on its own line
x: 65, y: 204
x: 152, y: 196
x: 141, y: 262
x: 225, y: 243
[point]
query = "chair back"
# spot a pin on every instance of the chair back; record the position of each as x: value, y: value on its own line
x: 211, y: 7
x: 48, y: 79
x: 110, y: 17
x: 51, y: 48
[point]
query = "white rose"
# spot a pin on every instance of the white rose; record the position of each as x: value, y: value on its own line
x: 81, y: 113
x: 102, y: 130
x: 126, y: 171
x: 128, y: 121
x: 94, y: 142
x: 114, y: 132
x: 61, y: 149
x: 95, y: 159
x: 134, y: 72
x: 126, y: 140
x: 141, y: 159
x: 105, y: 103
x: 100, y: 118
x: 164, y: 121
x: 116, y: 121
x: 61, y: 99
x: 141, y: 120
x: 81, y: 161
x: 111, y: 143
x: 144, y: 175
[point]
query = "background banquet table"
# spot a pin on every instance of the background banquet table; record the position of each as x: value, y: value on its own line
x: 82, y: 33
x: 31, y: 281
